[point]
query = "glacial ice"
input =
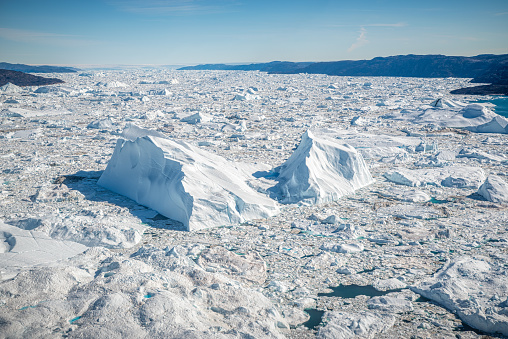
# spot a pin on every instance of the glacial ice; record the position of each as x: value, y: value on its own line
x: 184, y: 183
x: 494, y: 189
x: 321, y: 170
x: 153, y: 293
x: 475, y: 289
x: 10, y: 88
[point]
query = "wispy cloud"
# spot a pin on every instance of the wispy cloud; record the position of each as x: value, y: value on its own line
x: 21, y: 35
x: 174, y: 7
x: 360, y: 41
x: 502, y: 13
x: 398, y: 24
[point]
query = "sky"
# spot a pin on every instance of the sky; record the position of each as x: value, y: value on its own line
x: 188, y: 32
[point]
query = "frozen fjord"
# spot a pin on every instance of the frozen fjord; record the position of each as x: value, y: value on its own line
x: 56, y: 143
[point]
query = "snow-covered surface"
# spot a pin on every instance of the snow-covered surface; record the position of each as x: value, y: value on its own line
x: 142, y: 276
x: 321, y: 170
x: 184, y: 183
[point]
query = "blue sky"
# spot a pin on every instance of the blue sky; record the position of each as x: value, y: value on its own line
x: 158, y: 32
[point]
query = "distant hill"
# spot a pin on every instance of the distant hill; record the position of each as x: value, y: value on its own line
x: 23, y: 79
x: 36, y: 69
x: 270, y: 67
x: 422, y: 66
x: 496, y: 76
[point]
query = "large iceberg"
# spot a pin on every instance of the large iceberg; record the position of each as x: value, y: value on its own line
x: 321, y: 170
x: 184, y: 183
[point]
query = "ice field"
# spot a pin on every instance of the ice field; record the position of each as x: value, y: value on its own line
x: 153, y: 203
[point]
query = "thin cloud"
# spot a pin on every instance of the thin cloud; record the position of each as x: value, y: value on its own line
x: 21, y: 35
x: 398, y: 24
x: 502, y: 13
x: 173, y: 7
x: 360, y: 41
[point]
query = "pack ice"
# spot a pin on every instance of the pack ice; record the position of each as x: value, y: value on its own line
x: 184, y: 183
x: 321, y: 170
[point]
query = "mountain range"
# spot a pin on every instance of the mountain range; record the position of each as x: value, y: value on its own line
x: 484, y: 67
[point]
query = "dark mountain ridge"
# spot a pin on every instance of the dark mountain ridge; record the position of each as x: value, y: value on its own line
x: 23, y: 79
x: 422, y: 66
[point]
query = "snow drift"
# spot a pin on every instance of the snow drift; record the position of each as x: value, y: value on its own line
x: 321, y: 170
x: 184, y: 183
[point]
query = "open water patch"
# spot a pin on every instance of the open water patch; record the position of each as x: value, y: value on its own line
x: 352, y: 291
x: 501, y: 103
x: 316, y: 316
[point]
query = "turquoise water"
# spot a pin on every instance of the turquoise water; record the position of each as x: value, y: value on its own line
x: 501, y: 103
x: 74, y: 319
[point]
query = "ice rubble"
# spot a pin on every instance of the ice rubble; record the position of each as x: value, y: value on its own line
x: 451, y: 176
x: 475, y: 289
x: 21, y: 249
x: 321, y: 170
x: 343, y: 325
x: 153, y: 293
x: 184, y: 183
